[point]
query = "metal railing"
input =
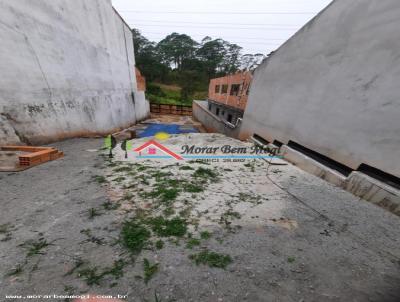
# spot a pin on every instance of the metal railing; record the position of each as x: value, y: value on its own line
x: 170, y: 109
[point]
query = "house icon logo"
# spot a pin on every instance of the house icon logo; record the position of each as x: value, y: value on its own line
x: 154, y: 149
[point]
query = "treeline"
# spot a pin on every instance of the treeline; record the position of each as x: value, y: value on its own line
x: 180, y: 60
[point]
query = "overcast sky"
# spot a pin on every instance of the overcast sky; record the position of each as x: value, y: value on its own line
x: 259, y: 26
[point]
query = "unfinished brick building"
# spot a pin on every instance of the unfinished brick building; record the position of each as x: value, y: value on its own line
x: 227, y: 96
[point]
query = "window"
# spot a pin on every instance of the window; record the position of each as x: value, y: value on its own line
x: 224, y: 89
x: 209, y: 106
x: 235, y: 89
x: 217, y: 88
x: 230, y: 118
x: 217, y: 111
x: 223, y: 112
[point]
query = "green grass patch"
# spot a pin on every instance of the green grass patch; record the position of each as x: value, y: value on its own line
x: 192, y: 242
x: 212, y: 259
x: 291, y: 259
x: 193, y: 188
x: 122, y: 169
x: 168, y: 227
x: 205, y: 235
x: 165, y: 195
x: 100, y: 179
x: 159, y: 244
x: 186, y: 168
x: 134, y: 236
x: 205, y: 173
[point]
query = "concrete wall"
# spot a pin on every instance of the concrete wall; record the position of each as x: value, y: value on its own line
x: 334, y: 86
x: 226, y: 113
x: 67, y: 70
x: 211, y: 122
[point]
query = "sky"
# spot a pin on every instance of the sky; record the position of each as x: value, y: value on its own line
x: 259, y: 26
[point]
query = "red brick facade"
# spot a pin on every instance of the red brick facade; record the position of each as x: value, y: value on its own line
x: 231, y: 90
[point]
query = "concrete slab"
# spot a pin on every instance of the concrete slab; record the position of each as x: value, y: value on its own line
x: 312, y: 166
x: 291, y: 235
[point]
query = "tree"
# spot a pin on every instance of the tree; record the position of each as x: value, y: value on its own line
x: 148, y: 60
x: 175, y: 48
x: 251, y: 62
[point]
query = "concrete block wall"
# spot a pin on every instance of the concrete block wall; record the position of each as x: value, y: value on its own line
x: 334, y: 87
x: 68, y: 69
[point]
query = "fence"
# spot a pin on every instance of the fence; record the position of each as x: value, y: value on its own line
x: 170, y: 109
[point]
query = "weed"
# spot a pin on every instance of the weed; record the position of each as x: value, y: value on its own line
x: 119, y: 179
x: 233, y: 214
x: 36, y: 247
x: 166, y: 195
x: 186, y: 168
x: 192, y: 242
x: 251, y: 165
x: 212, y: 259
x: 254, y: 199
x: 4, y: 228
x: 108, y: 205
x: 100, y: 179
x: 16, y: 271
x: 291, y: 259
x: 122, y: 169
x: 205, y: 173
x: 92, y: 213
x: 149, y: 270
x: 134, y: 236
x: 169, y: 211
x: 91, y: 275
x: 164, y: 227
x: 128, y: 196
x: 116, y: 270
x: 158, y: 175
x: 193, y: 188
x: 205, y: 235
x: 159, y: 244
x: 92, y: 238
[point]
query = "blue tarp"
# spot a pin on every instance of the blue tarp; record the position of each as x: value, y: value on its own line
x: 152, y: 129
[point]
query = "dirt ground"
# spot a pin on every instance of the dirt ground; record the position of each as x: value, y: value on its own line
x: 161, y: 230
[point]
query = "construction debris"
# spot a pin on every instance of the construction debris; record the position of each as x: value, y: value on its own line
x: 19, y: 158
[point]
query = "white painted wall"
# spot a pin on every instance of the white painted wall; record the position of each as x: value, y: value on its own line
x: 334, y: 87
x: 67, y: 69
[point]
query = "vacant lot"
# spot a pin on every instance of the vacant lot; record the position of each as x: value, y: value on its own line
x: 189, y: 231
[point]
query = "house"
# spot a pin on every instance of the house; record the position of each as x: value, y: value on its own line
x: 227, y: 96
